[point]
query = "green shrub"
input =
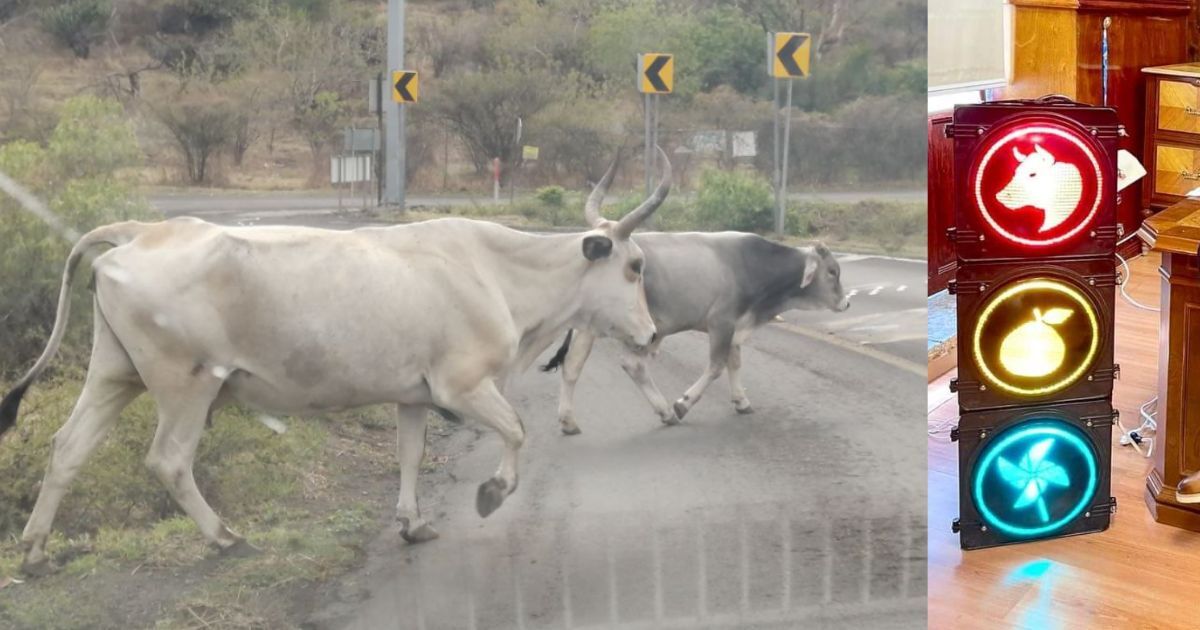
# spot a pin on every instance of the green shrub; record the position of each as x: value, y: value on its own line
x: 77, y: 23
x: 734, y: 201
x: 75, y: 175
x: 551, y: 205
x: 551, y: 195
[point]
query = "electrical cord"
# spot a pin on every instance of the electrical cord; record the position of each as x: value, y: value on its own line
x: 1149, y: 425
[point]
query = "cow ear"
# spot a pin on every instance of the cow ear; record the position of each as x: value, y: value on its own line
x: 596, y: 247
x: 811, y: 264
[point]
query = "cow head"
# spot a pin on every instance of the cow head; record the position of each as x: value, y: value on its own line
x: 1032, y: 175
x: 614, y: 296
x: 821, y: 282
x: 1040, y: 181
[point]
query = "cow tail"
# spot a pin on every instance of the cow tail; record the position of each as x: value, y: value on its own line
x: 559, y: 357
x: 115, y: 234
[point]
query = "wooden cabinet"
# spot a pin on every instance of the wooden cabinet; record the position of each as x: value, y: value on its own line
x: 940, y: 213
x: 1057, y: 50
x: 1172, y: 134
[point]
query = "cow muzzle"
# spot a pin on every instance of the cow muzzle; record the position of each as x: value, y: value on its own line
x: 843, y: 305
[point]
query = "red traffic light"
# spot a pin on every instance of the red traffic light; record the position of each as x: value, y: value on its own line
x: 1037, y: 183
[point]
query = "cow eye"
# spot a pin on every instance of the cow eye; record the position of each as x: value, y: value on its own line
x: 636, y: 267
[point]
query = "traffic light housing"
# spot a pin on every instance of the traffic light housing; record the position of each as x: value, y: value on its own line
x: 1035, y: 233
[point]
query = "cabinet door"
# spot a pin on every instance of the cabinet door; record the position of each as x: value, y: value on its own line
x: 1179, y: 105
x: 1176, y: 169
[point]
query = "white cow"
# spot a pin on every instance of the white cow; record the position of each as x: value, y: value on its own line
x: 298, y: 320
x: 1042, y: 182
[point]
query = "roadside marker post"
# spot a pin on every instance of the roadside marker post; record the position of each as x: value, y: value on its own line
x: 788, y: 56
x: 656, y: 75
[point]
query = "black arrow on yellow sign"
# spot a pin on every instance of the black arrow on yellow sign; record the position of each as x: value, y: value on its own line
x: 404, y: 86
x: 791, y: 55
x: 657, y: 73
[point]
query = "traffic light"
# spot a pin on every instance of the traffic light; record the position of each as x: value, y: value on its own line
x: 1035, y: 234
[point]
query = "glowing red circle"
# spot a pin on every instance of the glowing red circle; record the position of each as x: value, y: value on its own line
x: 1039, y: 184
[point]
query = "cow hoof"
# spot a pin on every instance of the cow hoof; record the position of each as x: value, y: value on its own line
x: 680, y: 410
x: 743, y: 407
x: 571, y: 429
x: 38, y: 569
x: 668, y: 418
x: 419, y: 534
x: 240, y: 549
x: 491, y: 495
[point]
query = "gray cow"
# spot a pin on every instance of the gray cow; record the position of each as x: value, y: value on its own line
x: 726, y: 284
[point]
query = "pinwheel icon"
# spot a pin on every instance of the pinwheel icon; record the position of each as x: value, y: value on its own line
x: 1033, y: 476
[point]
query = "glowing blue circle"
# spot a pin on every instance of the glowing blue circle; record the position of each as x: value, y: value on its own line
x: 1037, y: 446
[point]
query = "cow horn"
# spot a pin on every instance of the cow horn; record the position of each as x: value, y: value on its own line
x: 1043, y: 152
x: 1017, y: 154
x: 591, y: 209
x: 639, y: 214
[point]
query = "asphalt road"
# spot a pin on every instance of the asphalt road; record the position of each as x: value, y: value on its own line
x: 808, y: 513
x: 887, y: 308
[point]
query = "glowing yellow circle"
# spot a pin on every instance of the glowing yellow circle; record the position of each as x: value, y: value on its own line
x: 1018, y: 289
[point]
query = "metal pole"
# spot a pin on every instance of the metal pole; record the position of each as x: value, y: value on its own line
x: 649, y: 150
x: 783, y: 171
x: 379, y: 83
x: 776, y: 159
x: 395, y: 188
x: 654, y: 146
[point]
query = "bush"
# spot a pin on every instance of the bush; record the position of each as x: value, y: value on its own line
x: 551, y: 195
x: 552, y: 206
x: 77, y: 23
x: 76, y: 177
x: 734, y: 201
x: 200, y: 130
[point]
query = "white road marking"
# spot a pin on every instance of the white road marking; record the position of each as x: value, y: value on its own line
x: 901, y: 287
x: 876, y: 290
x: 852, y: 293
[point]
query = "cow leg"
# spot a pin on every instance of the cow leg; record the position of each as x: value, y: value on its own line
x: 734, y: 364
x: 719, y: 343
x: 410, y: 450
x: 486, y: 405
x: 95, y: 413
x: 634, y: 364
x: 182, y: 413
x: 577, y: 356
x: 111, y: 384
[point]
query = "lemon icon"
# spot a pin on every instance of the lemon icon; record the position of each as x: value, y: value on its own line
x: 1035, y: 348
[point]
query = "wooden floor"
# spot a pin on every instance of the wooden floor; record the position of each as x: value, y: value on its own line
x: 1138, y: 574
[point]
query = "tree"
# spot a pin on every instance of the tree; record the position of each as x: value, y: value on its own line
x: 77, y: 23
x: 482, y: 109
x: 201, y: 129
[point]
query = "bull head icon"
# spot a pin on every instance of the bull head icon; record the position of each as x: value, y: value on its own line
x: 1042, y: 182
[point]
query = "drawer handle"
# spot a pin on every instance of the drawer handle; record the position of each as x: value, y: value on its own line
x: 1186, y: 174
x: 1191, y: 111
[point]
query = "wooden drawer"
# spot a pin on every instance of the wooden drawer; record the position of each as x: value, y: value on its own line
x: 1179, y: 106
x: 1176, y: 169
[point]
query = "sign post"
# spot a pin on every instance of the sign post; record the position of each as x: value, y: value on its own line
x: 656, y: 75
x: 787, y: 58
x: 394, y: 186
